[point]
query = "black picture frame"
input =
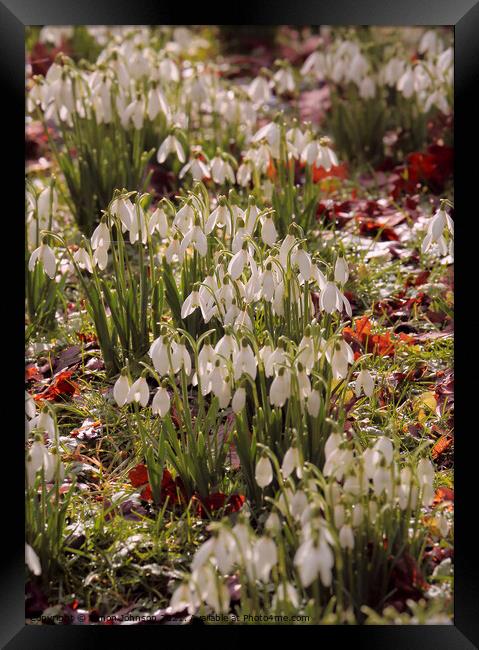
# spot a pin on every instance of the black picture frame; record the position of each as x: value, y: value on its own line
x: 464, y: 16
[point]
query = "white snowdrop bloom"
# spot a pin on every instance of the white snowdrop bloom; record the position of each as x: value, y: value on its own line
x: 291, y: 461
x: 269, y: 234
x: 196, y: 238
x: 219, y: 218
x: 124, y: 210
x: 439, y: 222
x: 406, y: 83
x: 227, y: 346
x: 286, y: 593
x: 304, y: 383
x: 313, y: 403
x: 159, y: 354
x: 267, y: 284
x: 299, y: 503
x: 303, y: 260
x: 364, y: 382
x: 430, y: 43
x: 341, y: 271
x: 168, y: 70
x: 225, y: 551
x: 45, y: 255
x: 161, y: 402
x: 243, y: 175
x: 358, y: 515
x: 392, y: 71
x: 284, y: 81
x: 156, y: 103
x: 315, y: 63
x: 121, y: 389
x: 332, y: 443
x: 385, y: 447
x: 245, y: 362
x: 239, y: 400
x: 346, y: 537
x: 425, y: 474
x: 338, y: 515
x: 139, y: 392
x: 32, y: 560
x: 263, y: 472
x: 170, y: 145
x: 243, y: 320
x: 101, y: 236
x: 271, y: 132
x: 332, y: 299
x: 203, y: 554
x: 184, y: 219
x: 318, y: 277
x: 191, y: 303
x: 158, y: 222
x: 197, y: 168
x: 30, y: 406
x: 134, y: 112
x: 358, y: 67
x: 251, y: 215
x: 83, y: 259
x: 259, y: 90
x: 265, y: 557
x: 312, y: 560
x: 310, y: 152
x: 221, y: 170
x: 382, y: 481
x: 43, y: 422
x: 326, y: 157
x: 274, y: 359
x: 280, y: 389
x: 138, y: 228
x: 180, y: 358
x: 238, y: 262
x: 39, y: 458
x: 273, y: 523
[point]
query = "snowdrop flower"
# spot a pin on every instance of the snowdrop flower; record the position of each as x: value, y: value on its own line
x: 406, y: 83
x: 439, y: 222
x: 286, y: 593
x: 382, y: 481
x: 168, y: 70
x: 245, y: 362
x: 45, y: 255
x: 243, y: 175
x: 196, y: 238
x: 346, y: 537
x: 161, y: 402
x: 221, y: 170
x: 239, y: 400
x: 311, y: 560
x: 135, y: 111
x: 269, y: 234
x: 259, y: 90
x: 271, y: 132
x: 180, y: 358
x: 220, y: 217
x: 280, y: 390
x: 197, y: 168
x: 184, y: 218
x: 364, y: 382
x: 339, y: 354
x: 191, y: 303
x: 313, y: 403
x: 43, y: 422
x: 139, y: 392
x: 158, y: 222
x: 284, y: 80
x: 32, y: 560
x: 332, y: 299
x: 265, y: 557
x: 121, y: 388
x: 123, y: 208
x: 101, y: 236
x: 238, y: 262
x: 30, y: 407
x: 170, y: 144
x: 263, y: 472
x: 100, y: 258
x: 425, y: 475
x: 83, y: 259
x: 291, y: 461
x: 156, y: 102
x: 341, y: 271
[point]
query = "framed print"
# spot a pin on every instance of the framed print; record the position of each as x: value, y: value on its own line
x: 239, y: 335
